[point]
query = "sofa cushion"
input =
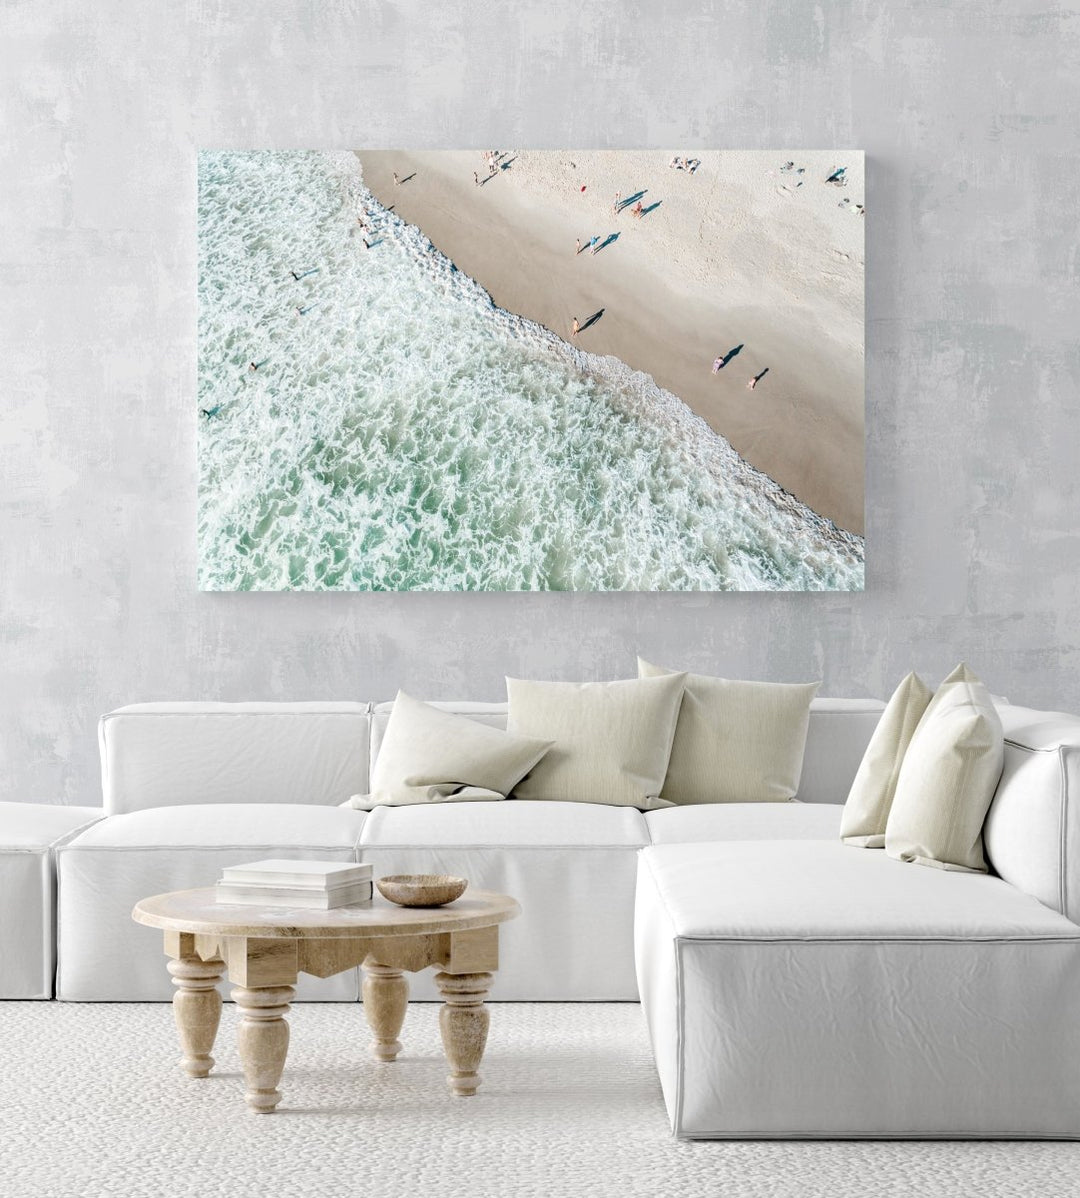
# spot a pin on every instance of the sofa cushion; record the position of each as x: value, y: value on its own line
x: 947, y: 779
x: 612, y: 740
x: 173, y: 754
x: 105, y: 956
x: 819, y: 888
x: 802, y: 989
x: 227, y: 825
x: 736, y: 742
x: 1032, y: 830
x: 432, y: 756
x: 703, y: 822
x: 866, y: 811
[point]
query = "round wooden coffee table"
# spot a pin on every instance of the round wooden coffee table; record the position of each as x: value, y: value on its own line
x: 264, y: 948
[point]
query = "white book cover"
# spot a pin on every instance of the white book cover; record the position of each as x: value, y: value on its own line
x: 317, y: 875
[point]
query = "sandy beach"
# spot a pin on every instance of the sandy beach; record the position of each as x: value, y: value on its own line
x: 739, y: 254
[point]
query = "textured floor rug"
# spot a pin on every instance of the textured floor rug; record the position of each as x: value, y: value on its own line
x: 93, y: 1103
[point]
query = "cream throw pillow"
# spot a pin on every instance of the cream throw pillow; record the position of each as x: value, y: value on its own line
x: 948, y: 778
x: 867, y: 808
x: 433, y: 756
x: 736, y: 742
x: 612, y: 739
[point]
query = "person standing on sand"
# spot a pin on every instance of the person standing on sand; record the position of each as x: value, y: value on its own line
x: 476, y: 178
x: 594, y: 244
x: 615, y: 206
x: 577, y: 247
x: 575, y: 328
x: 716, y: 365
x: 757, y: 378
x: 397, y: 181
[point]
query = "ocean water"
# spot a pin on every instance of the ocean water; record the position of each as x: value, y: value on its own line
x: 403, y: 433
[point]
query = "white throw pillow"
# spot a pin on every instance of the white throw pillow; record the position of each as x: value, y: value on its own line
x: 867, y: 808
x: 433, y: 756
x: 736, y: 742
x: 612, y: 739
x: 948, y: 778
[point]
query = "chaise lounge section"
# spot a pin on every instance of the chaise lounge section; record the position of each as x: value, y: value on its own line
x: 809, y: 989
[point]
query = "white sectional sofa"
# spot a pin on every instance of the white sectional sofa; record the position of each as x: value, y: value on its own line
x: 793, y: 986
x: 189, y: 787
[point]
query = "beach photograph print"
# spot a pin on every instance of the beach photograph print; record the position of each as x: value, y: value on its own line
x: 530, y: 370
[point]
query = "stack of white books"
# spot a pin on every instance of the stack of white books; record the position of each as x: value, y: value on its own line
x: 318, y: 885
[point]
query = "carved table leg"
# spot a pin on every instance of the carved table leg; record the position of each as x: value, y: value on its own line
x: 463, y: 1022
x: 386, y: 998
x: 197, y: 1010
x: 263, y: 1040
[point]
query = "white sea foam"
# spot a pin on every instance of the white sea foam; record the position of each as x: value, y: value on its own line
x: 402, y: 433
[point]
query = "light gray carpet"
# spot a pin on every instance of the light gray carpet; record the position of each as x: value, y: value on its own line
x: 92, y: 1103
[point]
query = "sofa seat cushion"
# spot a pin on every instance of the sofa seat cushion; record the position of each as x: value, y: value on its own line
x: 102, y: 874
x: 571, y: 866
x: 808, y: 889
x: 706, y: 822
x: 33, y: 826
x: 812, y: 989
x: 29, y: 836
x: 223, y: 825
x: 533, y: 822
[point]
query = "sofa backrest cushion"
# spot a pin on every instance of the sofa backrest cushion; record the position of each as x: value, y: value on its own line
x: 1032, y: 831
x: 176, y: 754
x: 840, y: 730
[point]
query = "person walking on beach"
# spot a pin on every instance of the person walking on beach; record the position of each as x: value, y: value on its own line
x: 577, y: 247
x: 615, y: 206
x: 757, y: 378
x: 575, y: 328
x: 397, y: 181
x: 717, y: 365
x: 594, y: 244
x: 637, y: 210
x: 476, y: 178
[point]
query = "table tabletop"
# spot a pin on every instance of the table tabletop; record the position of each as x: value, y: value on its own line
x: 199, y: 911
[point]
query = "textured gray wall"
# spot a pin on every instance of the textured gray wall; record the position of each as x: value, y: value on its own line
x: 968, y: 113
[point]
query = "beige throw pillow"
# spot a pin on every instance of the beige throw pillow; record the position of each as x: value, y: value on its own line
x: 433, y: 756
x: 867, y: 808
x: 948, y: 778
x: 736, y: 742
x: 612, y: 739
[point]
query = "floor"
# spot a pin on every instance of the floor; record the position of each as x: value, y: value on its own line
x: 93, y: 1104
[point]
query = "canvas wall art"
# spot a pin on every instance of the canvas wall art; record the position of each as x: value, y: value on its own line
x: 511, y: 370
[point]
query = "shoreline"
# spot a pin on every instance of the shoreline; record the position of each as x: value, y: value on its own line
x: 515, y: 235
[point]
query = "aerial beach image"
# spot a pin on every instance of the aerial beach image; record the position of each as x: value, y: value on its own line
x: 530, y: 370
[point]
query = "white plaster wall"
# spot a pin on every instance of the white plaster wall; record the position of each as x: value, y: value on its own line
x: 968, y: 113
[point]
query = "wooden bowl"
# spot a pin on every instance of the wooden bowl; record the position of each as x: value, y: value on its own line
x: 421, y: 890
